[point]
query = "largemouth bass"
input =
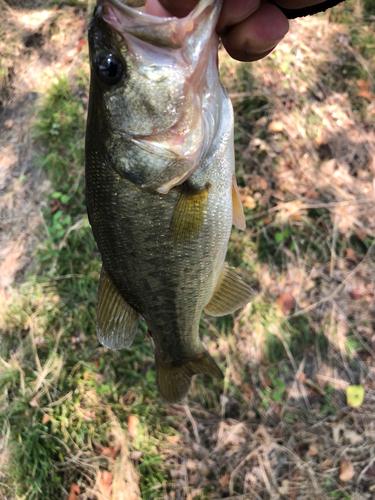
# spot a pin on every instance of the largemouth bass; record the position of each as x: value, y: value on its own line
x: 160, y: 185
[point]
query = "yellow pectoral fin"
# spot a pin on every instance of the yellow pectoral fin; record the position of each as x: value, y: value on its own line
x: 230, y: 294
x: 189, y: 214
x: 238, y: 217
x: 117, y: 322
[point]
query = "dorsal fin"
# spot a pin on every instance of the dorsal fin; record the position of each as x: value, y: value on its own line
x: 230, y: 294
x: 189, y: 214
x: 238, y: 217
x: 117, y: 321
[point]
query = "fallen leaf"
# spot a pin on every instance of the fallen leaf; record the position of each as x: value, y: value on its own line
x: 284, y: 488
x: 136, y: 455
x: 355, y: 395
x: 366, y: 94
x: 191, y: 464
x: 46, y: 418
x: 74, y: 492
x: 353, y: 437
x: 248, y: 201
x: 312, y: 451
x: 173, y: 439
x: 8, y: 124
x: 336, y: 431
x: 80, y: 44
x: 105, y: 483
x: 327, y: 463
x: 356, y: 294
x: 262, y: 122
x: 275, y: 126
x: 224, y: 480
x: 363, y: 84
x: 286, y: 302
x: 364, y: 90
x: 133, y: 423
x: 361, y: 233
x: 108, y: 451
x: 346, y: 471
x: 351, y: 254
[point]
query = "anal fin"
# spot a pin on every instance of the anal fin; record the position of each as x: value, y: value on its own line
x: 117, y: 321
x: 238, y: 217
x: 231, y: 293
x: 174, y: 381
x: 189, y: 214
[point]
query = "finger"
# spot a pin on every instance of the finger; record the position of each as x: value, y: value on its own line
x: 179, y: 9
x: 297, y: 4
x: 234, y: 12
x: 154, y: 8
x: 258, y: 35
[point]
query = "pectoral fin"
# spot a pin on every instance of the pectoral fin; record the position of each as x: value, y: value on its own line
x: 230, y: 294
x: 174, y: 381
x: 189, y: 214
x: 238, y: 217
x: 117, y: 322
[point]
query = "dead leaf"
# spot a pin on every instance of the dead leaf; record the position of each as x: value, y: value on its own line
x: 286, y: 302
x: 74, y: 492
x: 55, y: 206
x: 105, y: 483
x: 364, y: 90
x: 327, y: 463
x: 351, y: 254
x: 363, y: 84
x: 34, y: 403
x: 356, y: 294
x: 108, y: 451
x: 353, y: 437
x: 46, y: 418
x: 275, y: 126
x: 366, y: 94
x: 336, y: 430
x: 312, y: 451
x: 173, y: 439
x: 133, y: 423
x: 224, y: 480
x: 262, y: 122
x: 346, y: 471
x: 136, y: 455
x: 361, y: 233
x: 284, y: 488
x: 8, y: 124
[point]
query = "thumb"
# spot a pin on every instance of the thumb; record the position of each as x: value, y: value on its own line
x: 177, y: 8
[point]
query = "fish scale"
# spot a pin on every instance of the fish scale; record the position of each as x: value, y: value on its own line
x: 163, y: 243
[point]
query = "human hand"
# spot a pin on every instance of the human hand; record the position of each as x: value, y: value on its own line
x: 249, y: 29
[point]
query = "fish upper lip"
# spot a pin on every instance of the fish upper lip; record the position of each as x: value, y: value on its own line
x: 169, y: 32
x: 136, y: 14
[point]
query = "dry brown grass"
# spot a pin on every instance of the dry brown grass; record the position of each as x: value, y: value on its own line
x: 305, y: 149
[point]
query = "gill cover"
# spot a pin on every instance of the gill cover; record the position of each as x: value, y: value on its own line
x: 166, y: 56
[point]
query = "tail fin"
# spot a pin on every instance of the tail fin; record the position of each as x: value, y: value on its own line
x: 174, y: 381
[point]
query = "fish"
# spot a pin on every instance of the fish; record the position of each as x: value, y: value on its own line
x: 161, y: 192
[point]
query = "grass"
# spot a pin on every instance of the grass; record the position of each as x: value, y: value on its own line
x: 304, y: 141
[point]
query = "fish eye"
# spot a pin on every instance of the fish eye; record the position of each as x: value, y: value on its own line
x: 110, y: 68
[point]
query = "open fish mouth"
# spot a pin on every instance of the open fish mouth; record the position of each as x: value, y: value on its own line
x: 185, y: 48
x: 161, y: 31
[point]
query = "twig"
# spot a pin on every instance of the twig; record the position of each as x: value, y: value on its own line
x: 194, y: 425
x: 337, y: 290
